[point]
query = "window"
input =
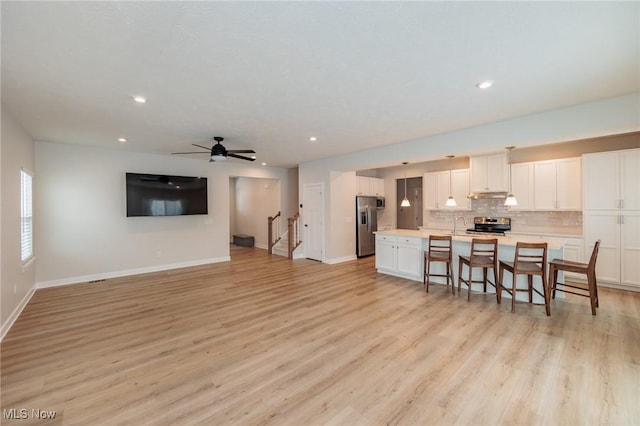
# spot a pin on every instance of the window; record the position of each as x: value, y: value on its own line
x: 26, y: 215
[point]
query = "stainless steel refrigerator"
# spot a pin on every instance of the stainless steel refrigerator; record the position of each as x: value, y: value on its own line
x: 367, y: 219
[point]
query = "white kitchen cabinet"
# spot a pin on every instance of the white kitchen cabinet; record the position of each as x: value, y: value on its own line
x: 557, y: 184
x: 400, y: 256
x: 489, y: 173
x: 612, y: 214
x: 363, y: 185
x: 437, y: 187
x: 385, y: 252
x: 376, y: 185
x: 369, y: 186
x: 611, y: 180
x: 619, y: 254
x: 522, y: 185
x: 574, y: 250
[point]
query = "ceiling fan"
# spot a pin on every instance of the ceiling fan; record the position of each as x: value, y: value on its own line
x: 219, y: 153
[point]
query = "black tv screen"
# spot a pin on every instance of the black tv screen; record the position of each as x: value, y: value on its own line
x: 163, y: 195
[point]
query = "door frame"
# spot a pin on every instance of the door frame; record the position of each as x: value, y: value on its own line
x: 305, y: 197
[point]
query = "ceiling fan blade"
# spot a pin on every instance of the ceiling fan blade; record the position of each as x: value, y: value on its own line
x: 242, y: 157
x: 193, y: 152
x: 241, y: 151
x: 200, y: 146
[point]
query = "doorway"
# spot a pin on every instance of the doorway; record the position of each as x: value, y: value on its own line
x: 313, y: 220
x: 409, y: 217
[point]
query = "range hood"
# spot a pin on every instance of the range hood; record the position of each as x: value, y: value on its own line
x: 498, y: 195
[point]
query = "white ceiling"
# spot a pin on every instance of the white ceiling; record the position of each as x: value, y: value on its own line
x: 267, y: 75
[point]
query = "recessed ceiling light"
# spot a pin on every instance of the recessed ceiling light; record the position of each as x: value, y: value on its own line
x: 264, y: 164
x: 484, y: 84
x: 254, y: 157
x: 122, y: 140
x: 140, y: 99
x: 313, y: 139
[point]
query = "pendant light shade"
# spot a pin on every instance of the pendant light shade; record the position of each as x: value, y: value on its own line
x: 405, y: 201
x: 511, y: 199
x: 451, y: 202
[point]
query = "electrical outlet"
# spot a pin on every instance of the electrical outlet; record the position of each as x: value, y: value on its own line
x: 158, y: 253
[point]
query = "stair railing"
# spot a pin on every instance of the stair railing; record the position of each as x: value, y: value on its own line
x: 274, y: 231
x: 294, y: 233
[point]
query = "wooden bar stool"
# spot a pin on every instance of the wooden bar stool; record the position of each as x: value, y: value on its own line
x: 530, y: 259
x: 484, y: 254
x: 589, y: 269
x: 439, y: 251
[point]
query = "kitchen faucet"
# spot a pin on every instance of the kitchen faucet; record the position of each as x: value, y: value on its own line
x: 455, y: 224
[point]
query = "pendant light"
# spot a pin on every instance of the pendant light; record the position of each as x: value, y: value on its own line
x: 405, y: 201
x: 451, y: 202
x: 511, y: 200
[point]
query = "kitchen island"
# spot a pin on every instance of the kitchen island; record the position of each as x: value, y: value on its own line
x: 400, y: 252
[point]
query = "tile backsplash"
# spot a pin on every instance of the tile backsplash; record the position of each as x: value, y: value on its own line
x: 566, y: 223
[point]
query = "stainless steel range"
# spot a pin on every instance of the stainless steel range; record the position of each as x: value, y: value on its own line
x: 483, y: 225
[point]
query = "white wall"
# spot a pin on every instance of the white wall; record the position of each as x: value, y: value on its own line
x: 599, y: 118
x: 82, y: 228
x: 17, y: 283
x: 255, y: 201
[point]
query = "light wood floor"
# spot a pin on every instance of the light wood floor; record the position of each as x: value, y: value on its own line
x: 264, y: 340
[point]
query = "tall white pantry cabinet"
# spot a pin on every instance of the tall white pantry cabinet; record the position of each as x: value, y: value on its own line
x: 612, y: 214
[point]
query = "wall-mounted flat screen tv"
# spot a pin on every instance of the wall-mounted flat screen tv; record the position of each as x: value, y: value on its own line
x: 164, y: 195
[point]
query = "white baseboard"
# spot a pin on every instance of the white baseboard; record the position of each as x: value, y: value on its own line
x: 618, y: 286
x: 16, y: 313
x: 340, y: 259
x: 126, y: 272
x: 262, y: 246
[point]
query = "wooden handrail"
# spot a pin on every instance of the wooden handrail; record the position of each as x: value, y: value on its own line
x: 271, y: 221
x: 294, y: 233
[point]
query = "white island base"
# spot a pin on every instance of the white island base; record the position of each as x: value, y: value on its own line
x: 400, y: 252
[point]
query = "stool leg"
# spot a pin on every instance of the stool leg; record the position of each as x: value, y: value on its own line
x: 424, y: 271
x: 459, y: 274
x: 530, y: 282
x: 499, y: 290
x: 553, y: 280
x: 469, y: 283
x: 428, y: 272
x: 453, y: 282
x: 484, y: 278
x: 513, y: 292
x: 592, y: 293
x: 546, y: 291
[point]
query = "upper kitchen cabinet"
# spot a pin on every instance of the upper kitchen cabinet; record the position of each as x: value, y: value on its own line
x: 557, y: 184
x: 489, y: 173
x: 437, y: 187
x: 522, y: 185
x: 611, y: 180
x: 370, y: 186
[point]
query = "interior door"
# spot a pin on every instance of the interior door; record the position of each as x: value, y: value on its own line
x: 312, y: 219
x: 409, y: 217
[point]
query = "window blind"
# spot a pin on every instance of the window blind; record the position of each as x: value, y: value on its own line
x: 26, y: 215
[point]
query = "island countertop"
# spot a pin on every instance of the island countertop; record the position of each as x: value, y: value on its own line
x: 552, y: 243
